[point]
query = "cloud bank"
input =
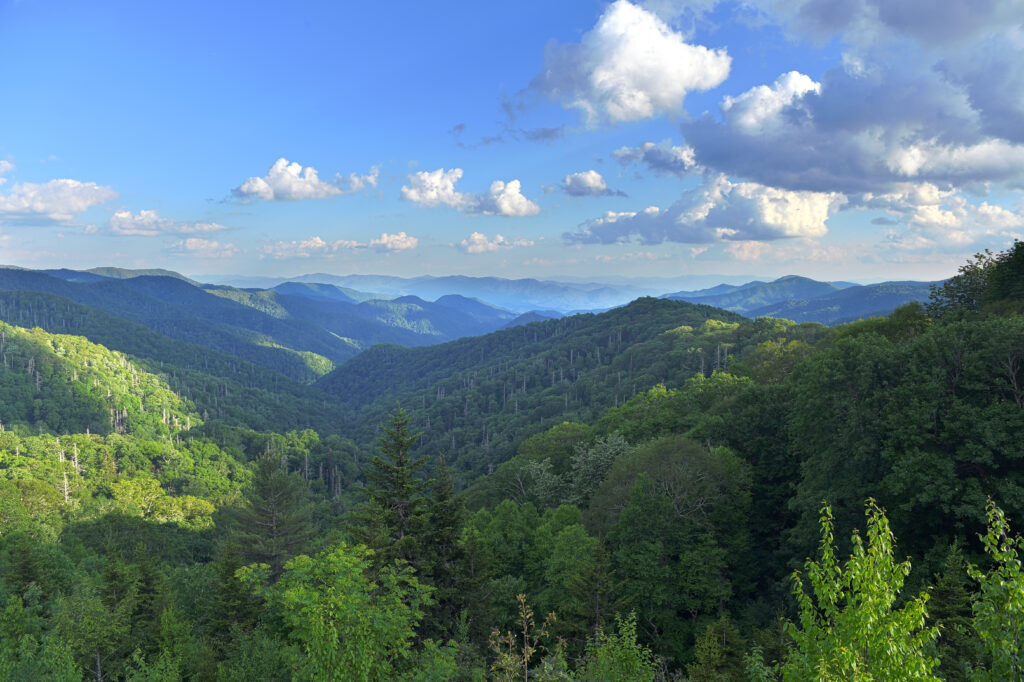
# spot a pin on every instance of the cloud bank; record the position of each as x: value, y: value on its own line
x: 316, y: 246
x: 717, y: 210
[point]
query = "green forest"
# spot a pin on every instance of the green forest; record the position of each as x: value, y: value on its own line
x: 664, y: 491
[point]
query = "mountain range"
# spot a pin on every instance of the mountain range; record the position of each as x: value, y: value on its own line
x: 302, y: 330
x: 806, y: 300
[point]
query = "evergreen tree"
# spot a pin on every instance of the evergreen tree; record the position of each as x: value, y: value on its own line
x: 446, y: 518
x: 276, y: 525
x: 949, y: 608
x: 393, y: 519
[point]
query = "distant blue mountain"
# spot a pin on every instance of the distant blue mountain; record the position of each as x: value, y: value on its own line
x: 516, y: 295
x: 324, y: 292
x: 533, y: 316
x: 847, y: 305
x: 806, y: 300
x: 753, y: 295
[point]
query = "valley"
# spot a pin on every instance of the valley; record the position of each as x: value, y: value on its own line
x: 656, y: 469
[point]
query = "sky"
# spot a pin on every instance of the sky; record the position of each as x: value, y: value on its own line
x: 838, y: 139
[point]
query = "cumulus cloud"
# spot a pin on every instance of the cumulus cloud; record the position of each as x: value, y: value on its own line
x: 587, y: 184
x: 197, y: 247
x: 718, y: 210
x: 988, y: 161
x: 664, y: 158
x: 479, y: 243
x: 57, y: 200
x: 5, y: 167
x: 149, y: 223
x: 394, y: 242
x: 504, y: 199
x: 758, y: 110
x: 352, y: 183
x: 895, y: 109
x: 317, y: 246
x: 289, y: 181
x: 630, y: 66
x: 852, y: 133
x: 304, y: 248
x: 943, y: 218
x: 925, y: 95
x: 437, y: 188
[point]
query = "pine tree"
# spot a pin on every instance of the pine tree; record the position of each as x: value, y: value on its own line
x: 277, y: 523
x: 445, y: 520
x: 393, y: 519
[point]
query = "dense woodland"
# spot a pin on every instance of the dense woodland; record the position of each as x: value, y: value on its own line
x: 666, y: 491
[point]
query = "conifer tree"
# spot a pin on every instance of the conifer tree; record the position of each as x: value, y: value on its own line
x: 393, y: 519
x: 277, y: 523
x: 445, y: 520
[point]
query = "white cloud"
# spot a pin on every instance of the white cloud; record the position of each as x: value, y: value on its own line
x: 719, y: 210
x: 5, y: 167
x: 289, y: 181
x: 479, y: 243
x: 504, y: 199
x: 585, y: 184
x: 630, y: 66
x: 204, y: 248
x: 149, y: 223
x: 663, y: 158
x: 394, y: 242
x: 353, y: 183
x: 991, y: 160
x: 286, y: 181
x: 56, y: 200
x: 758, y: 110
x: 851, y: 134
x: 304, y: 248
x: 437, y: 188
x: 943, y: 218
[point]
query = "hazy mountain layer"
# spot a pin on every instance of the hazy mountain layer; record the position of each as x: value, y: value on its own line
x: 849, y: 304
x: 806, y: 300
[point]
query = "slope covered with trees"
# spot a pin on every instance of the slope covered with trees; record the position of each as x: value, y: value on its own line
x: 476, y: 398
x: 299, y: 331
x: 806, y: 503
x: 222, y: 387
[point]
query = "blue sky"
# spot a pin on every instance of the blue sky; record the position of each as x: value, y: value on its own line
x: 840, y: 139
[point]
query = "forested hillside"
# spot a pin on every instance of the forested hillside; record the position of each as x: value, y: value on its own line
x: 222, y: 387
x: 689, y: 494
x: 477, y: 398
x: 301, y: 332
